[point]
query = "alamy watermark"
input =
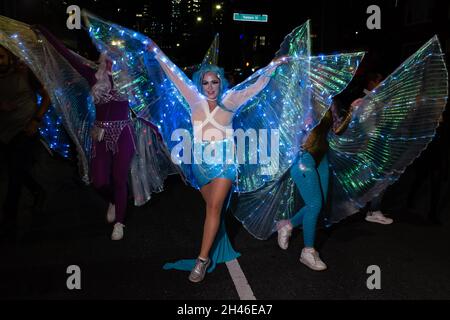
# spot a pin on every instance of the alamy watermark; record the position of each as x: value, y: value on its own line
x: 74, y: 280
x: 232, y: 146
x: 374, y: 20
x: 74, y: 19
x: 374, y: 281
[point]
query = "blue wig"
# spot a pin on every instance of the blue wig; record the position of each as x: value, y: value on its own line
x: 197, y: 78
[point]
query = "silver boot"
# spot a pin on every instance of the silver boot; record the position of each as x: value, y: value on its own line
x: 199, y: 271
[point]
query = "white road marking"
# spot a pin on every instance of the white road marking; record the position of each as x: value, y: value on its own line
x: 240, y: 281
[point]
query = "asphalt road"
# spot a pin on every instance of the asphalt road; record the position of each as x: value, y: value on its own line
x: 413, y: 254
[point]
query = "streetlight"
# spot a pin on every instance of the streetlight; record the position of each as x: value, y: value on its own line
x: 199, y: 19
x: 218, y: 6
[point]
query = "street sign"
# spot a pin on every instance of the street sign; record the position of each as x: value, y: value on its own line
x: 250, y: 17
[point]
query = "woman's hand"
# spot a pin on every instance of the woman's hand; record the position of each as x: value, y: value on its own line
x: 152, y: 47
x: 274, y: 64
x: 355, y: 104
x: 281, y: 60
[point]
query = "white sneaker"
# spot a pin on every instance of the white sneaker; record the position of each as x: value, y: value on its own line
x: 311, y: 259
x: 284, y: 233
x: 378, y: 217
x: 111, y: 214
x: 117, y: 233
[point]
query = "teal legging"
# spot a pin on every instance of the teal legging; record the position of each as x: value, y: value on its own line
x: 312, y: 183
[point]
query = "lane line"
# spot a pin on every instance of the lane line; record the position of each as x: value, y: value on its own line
x: 240, y: 281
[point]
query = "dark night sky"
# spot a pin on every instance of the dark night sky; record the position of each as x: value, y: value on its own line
x: 334, y: 26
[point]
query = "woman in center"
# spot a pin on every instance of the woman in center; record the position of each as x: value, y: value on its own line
x: 213, y: 167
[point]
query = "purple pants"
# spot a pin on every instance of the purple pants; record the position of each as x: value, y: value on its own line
x: 110, y: 171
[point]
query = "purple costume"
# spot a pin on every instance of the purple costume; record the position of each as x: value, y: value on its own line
x: 113, y: 153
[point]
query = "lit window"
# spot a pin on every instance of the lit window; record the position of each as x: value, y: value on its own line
x: 262, y: 41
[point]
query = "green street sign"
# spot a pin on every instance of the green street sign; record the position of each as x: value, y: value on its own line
x: 250, y: 17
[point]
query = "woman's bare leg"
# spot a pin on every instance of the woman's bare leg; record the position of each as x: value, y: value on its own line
x: 214, y: 194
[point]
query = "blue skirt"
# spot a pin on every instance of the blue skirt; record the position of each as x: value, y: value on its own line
x: 212, y: 160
